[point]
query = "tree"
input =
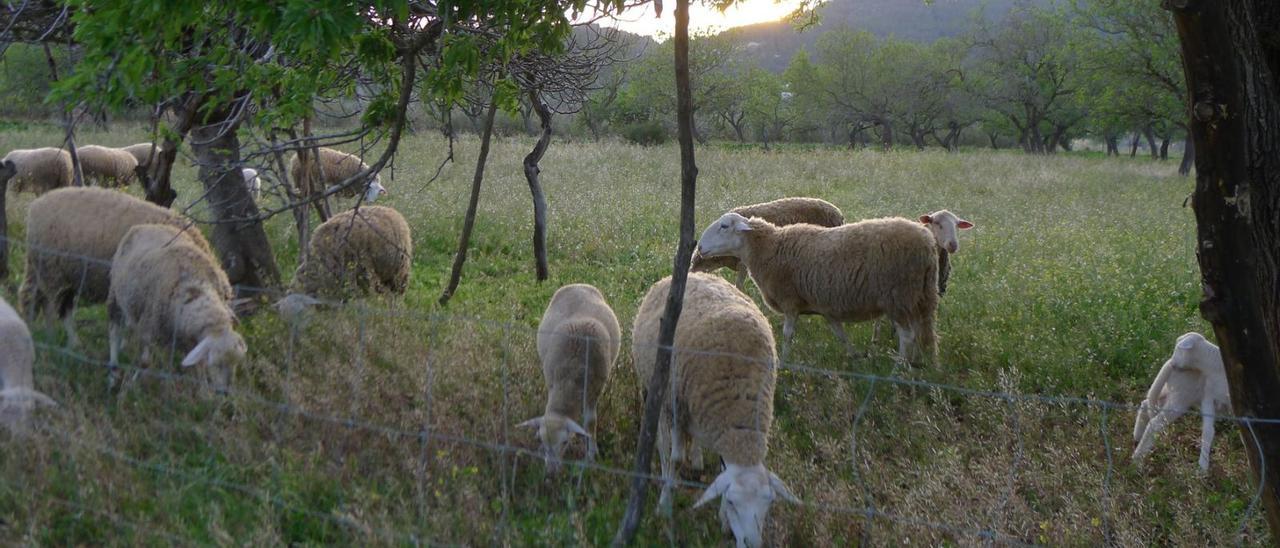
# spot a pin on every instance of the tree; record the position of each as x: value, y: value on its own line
x: 1231, y: 56
x: 714, y: 72
x: 858, y: 83
x: 768, y: 105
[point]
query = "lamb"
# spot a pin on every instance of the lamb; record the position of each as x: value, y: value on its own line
x: 72, y: 234
x: 854, y: 272
x: 366, y: 249
x: 143, y: 152
x: 107, y: 166
x: 335, y: 166
x: 578, y: 342
x: 783, y: 211
x: 943, y: 225
x: 1193, y: 376
x: 37, y: 170
x: 252, y: 181
x: 17, y: 354
x: 171, y: 290
x: 724, y: 369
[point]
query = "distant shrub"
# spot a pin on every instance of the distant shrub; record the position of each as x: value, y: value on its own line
x: 645, y: 133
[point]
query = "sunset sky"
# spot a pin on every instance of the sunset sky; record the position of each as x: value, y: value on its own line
x: 701, y: 17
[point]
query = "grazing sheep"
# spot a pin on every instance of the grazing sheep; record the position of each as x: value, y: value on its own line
x: 334, y: 167
x: 366, y: 249
x: 943, y: 224
x: 781, y: 212
x: 578, y: 342
x: 17, y: 354
x: 252, y: 182
x: 107, y: 166
x: 1193, y: 376
x: 72, y: 233
x: 854, y: 272
x: 170, y: 290
x: 724, y: 369
x: 37, y: 170
x: 143, y: 152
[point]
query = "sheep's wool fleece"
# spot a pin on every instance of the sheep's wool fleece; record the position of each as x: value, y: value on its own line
x: 781, y: 212
x: 142, y: 152
x: 724, y: 362
x: 107, y: 164
x: 365, y: 250
x: 853, y: 272
x: 85, y: 222
x: 17, y: 352
x: 578, y: 334
x: 41, y: 170
x: 336, y: 166
x: 158, y: 267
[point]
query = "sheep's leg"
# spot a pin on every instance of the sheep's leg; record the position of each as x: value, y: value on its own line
x: 742, y: 278
x: 589, y: 422
x: 1141, y: 420
x: 695, y: 457
x: 667, y: 461
x: 115, y: 337
x: 1206, y: 431
x: 788, y: 331
x: 906, y: 342
x: 1161, y: 420
x: 838, y: 329
x: 69, y: 324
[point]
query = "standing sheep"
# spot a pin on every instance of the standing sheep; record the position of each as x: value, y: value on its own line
x: 854, y: 272
x: 72, y: 234
x: 107, y: 166
x: 781, y: 212
x: 724, y: 370
x: 335, y: 166
x: 943, y: 224
x: 366, y: 249
x: 37, y: 170
x: 578, y: 342
x: 17, y: 355
x: 1193, y: 376
x: 143, y: 152
x: 170, y: 290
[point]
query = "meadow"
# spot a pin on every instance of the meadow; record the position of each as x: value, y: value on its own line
x: 1075, y: 282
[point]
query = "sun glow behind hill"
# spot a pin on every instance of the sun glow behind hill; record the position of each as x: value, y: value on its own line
x: 702, y: 18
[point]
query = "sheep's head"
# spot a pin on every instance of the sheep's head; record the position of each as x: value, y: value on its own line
x: 943, y: 224
x: 748, y: 492
x: 555, y: 431
x: 219, y: 352
x: 702, y: 263
x: 374, y: 190
x: 724, y: 237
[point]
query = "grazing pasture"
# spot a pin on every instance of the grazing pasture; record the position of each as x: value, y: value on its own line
x: 392, y: 422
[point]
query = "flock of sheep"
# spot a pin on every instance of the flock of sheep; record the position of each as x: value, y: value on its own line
x: 163, y: 285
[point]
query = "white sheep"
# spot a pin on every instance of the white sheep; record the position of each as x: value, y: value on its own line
x: 724, y: 369
x: 169, y: 290
x: 143, y: 152
x: 578, y: 342
x: 17, y: 355
x: 1192, y: 377
x: 335, y: 166
x: 944, y: 224
x: 854, y: 272
x: 357, y: 251
x: 72, y: 234
x: 37, y: 170
x: 252, y: 182
x: 783, y: 211
x: 107, y: 166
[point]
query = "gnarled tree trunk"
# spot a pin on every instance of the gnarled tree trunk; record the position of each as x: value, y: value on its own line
x: 469, y: 221
x: 531, y: 171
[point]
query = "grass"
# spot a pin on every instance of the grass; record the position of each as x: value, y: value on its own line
x: 1076, y: 281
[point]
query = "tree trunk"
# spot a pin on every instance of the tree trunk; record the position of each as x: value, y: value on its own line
x: 995, y: 140
x: 1231, y: 58
x: 657, y: 384
x: 531, y: 171
x: 1113, y: 146
x: 237, y: 234
x: 4, y: 232
x: 886, y: 133
x: 1133, y: 146
x: 1164, y: 148
x: 68, y: 124
x: 1151, y: 141
x: 1188, y: 156
x: 469, y: 222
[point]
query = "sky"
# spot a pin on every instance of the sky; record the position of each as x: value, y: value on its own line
x: 702, y: 18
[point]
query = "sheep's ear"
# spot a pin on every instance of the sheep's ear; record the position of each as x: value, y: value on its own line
x: 740, y: 225
x: 198, y: 354
x: 926, y: 219
x: 781, y: 490
x: 531, y: 423
x: 576, y: 428
x: 964, y: 224
x: 716, y: 489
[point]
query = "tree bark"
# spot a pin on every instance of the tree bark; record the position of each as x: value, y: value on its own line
x: 657, y: 385
x: 1133, y: 146
x: 1113, y: 147
x: 1188, y: 156
x: 531, y: 171
x: 1151, y: 141
x: 469, y: 222
x: 1231, y: 58
x: 995, y: 140
x: 1164, y: 148
x: 886, y: 133
x: 238, y: 236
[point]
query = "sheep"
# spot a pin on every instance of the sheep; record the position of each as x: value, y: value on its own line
x: 1193, y: 376
x: 783, y: 211
x: 170, y: 290
x: 252, y: 182
x: 853, y: 272
x: 143, y: 152
x: 17, y: 354
x: 72, y: 233
x: 107, y: 166
x: 943, y: 225
x: 37, y: 170
x: 334, y: 167
x: 578, y: 342
x: 366, y: 249
x: 724, y: 371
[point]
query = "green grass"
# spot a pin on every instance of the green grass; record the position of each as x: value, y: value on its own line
x: 1078, y: 278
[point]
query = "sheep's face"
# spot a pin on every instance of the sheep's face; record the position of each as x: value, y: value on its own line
x: 555, y: 432
x: 748, y: 492
x: 725, y: 237
x: 219, y: 354
x: 944, y: 224
x: 374, y: 190
x: 702, y: 263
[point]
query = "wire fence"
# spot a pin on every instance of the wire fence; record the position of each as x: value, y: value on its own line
x: 375, y: 422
